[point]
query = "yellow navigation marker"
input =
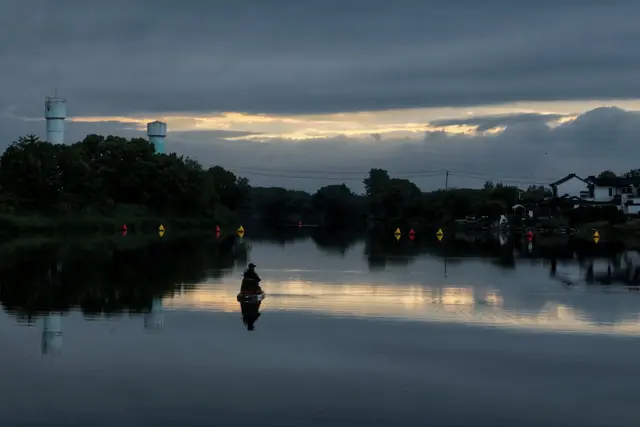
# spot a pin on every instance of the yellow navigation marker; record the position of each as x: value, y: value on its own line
x: 161, y: 228
x: 439, y: 232
x: 440, y: 236
x: 596, y: 235
x: 596, y: 239
x: 397, y: 237
x: 161, y: 233
x: 397, y: 232
x: 240, y: 230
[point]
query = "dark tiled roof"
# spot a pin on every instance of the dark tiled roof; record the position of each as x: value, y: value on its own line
x: 566, y: 178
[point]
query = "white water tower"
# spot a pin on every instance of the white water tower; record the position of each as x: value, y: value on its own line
x: 157, y: 133
x: 55, y: 111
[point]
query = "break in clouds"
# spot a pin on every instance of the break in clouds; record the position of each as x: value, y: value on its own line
x: 128, y: 58
x: 526, y: 151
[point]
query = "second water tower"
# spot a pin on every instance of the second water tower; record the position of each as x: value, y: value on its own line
x: 157, y: 133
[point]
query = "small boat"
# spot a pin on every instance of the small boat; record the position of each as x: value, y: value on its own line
x: 251, y: 296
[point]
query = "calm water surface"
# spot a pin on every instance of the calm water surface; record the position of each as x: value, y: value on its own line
x: 350, y: 334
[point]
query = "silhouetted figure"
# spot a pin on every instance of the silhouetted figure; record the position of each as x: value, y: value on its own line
x: 250, y: 296
x: 250, y: 279
x: 250, y: 273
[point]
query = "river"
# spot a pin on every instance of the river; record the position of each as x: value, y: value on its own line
x: 352, y: 333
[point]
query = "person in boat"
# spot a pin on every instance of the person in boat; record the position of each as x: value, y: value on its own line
x: 250, y: 273
x: 250, y: 279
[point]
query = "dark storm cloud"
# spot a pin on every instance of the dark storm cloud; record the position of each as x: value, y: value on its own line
x: 530, y: 153
x: 485, y: 123
x: 121, y: 57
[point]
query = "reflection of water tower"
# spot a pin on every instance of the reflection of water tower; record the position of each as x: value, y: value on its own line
x: 52, y: 334
x: 155, y: 318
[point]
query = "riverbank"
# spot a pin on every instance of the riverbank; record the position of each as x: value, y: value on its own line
x: 97, y: 224
x: 627, y: 232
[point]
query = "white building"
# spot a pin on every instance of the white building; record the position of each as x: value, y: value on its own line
x: 624, y: 193
x: 571, y: 186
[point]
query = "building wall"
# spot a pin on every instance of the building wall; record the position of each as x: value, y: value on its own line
x: 572, y: 187
x: 603, y: 194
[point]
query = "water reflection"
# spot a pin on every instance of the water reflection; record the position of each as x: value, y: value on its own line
x: 154, y: 319
x: 52, y: 333
x: 456, y: 304
x: 108, y: 277
x: 250, y: 312
x: 473, y: 280
x: 319, y: 356
x: 250, y: 298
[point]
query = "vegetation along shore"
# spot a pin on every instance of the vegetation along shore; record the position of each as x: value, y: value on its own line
x: 101, y: 183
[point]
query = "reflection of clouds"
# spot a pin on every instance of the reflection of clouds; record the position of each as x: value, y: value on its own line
x: 456, y: 304
x: 493, y: 298
x: 457, y: 299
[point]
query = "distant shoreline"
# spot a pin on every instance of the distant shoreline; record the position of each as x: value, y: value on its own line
x: 98, y: 224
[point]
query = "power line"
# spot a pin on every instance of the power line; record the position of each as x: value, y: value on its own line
x: 500, y: 179
x: 330, y: 177
x: 525, y: 178
x: 355, y: 176
x: 334, y: 173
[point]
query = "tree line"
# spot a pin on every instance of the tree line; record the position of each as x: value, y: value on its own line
x: 633, y: 173
x: 106, y: 175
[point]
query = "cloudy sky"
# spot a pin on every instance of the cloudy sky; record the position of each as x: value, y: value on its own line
x: 303, y: 93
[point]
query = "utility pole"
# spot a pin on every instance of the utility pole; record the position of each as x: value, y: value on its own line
x: 446, y: 180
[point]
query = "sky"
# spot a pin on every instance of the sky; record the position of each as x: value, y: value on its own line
x: 302, y: 93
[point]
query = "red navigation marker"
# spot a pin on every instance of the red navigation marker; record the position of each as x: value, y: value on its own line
x: 529, y: 235
x: 412, y: 231
x: 124, y: 226
x: 299, y: 224
x: 217, y: 229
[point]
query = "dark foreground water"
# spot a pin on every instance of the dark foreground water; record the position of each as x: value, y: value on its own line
x: 350, y: 334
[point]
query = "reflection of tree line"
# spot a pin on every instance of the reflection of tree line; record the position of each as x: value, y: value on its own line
x: 383, y: 249
x: 104, y: 279
x: 619, y: 268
